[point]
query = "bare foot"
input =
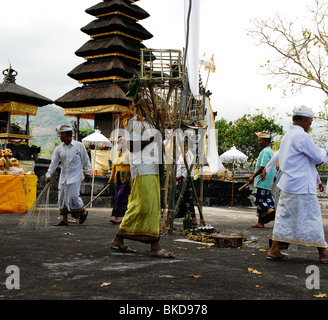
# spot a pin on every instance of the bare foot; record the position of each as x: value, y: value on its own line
x: 323, y: 255
x: 258, y: 225
x: 117, y: 241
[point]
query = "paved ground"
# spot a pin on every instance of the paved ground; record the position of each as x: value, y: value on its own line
x: 77, y: 263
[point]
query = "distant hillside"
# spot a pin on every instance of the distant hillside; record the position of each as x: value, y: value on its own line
x: 43, y: 127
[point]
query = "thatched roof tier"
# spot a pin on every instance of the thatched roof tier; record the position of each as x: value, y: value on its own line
x: 101, y: 47
x: 98, y: 69
x: 15, y: 92
x: 114, y: 24
x: 117, y: 7
x: 94, y: 95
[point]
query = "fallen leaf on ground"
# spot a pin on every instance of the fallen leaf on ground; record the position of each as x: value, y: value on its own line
x: 263, y: 250
x: 68, y: 234
x: 105, y: 284
x: 251, y: 270
x: 191, y: 275
x: 320, y: 295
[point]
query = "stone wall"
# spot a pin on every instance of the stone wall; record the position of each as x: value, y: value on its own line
x: 216, y: 193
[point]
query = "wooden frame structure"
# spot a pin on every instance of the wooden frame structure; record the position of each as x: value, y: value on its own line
x: 163, y: 81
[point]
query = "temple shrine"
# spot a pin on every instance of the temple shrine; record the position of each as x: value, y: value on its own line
x: 19, y: 101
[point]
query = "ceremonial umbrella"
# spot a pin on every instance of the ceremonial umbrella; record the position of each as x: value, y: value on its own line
x: 97, y: 139
x: 233, y: 156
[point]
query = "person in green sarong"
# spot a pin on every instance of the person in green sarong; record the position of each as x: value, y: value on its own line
x: 141, y: 221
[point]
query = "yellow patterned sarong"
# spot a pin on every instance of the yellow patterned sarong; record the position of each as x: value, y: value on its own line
x: 141, y: 221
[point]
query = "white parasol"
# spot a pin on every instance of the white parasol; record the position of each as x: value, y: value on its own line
x: 233, y: 156
x: 97, y: 139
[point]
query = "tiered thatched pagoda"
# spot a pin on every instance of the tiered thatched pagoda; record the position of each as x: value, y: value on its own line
x: 113, y: 57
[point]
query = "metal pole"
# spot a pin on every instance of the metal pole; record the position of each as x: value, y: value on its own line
x: 180, y: 111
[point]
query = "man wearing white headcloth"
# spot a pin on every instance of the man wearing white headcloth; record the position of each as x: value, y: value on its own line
x: 298, y: 216
x: 74, y: 158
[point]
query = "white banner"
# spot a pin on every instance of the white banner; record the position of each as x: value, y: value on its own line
x: 192, y: 61
x: 213, y: 158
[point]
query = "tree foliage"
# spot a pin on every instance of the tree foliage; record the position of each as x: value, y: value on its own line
x: 242, y: 133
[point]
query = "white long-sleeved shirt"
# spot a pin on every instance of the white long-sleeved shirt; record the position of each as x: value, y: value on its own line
x: 297, y: 158
x: 274, y: 161
x: 145, y: 161
x: 74, y: 159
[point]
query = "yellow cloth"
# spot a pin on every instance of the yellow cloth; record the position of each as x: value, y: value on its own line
x: 123, y: 168
x: 12, y: 196
x: 100, y: 165
x: 121, y: 163
x: 18, y: 108
x: 142, y: 219
x: 30, y: 189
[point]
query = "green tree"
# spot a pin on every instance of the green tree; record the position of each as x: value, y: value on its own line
x: 242, y: 134
x: 222, y: 127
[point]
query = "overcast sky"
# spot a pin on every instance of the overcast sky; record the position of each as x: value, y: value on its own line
x: 40, y: 38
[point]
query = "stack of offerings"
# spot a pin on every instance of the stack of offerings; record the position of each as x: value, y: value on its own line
x: 18, y: 189
x: 9, y: 164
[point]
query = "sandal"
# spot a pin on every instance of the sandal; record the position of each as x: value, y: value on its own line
x: 61, y: 224
x: 163, y: 254
x: 115, y: 221
x: 323, y: 260
x: 83, y: 217
x: 123, y: 248
x: 279, y: 258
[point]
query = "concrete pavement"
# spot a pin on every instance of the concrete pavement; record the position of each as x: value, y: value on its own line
x: 77, y: 263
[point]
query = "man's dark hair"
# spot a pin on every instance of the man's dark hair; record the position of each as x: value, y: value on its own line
x: 299, y: 118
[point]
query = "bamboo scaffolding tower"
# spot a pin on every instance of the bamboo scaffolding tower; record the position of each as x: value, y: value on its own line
x: 162, y: 92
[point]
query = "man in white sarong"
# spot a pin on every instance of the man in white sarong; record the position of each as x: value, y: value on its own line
x: 74, y: 158
x: 298, y: 217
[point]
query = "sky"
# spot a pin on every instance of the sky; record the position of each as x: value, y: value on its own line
x: 39, y: 38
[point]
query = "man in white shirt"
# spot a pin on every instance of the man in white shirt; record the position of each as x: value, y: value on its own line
x: 298, y: 216
x: 74, y: 158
